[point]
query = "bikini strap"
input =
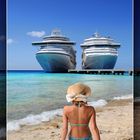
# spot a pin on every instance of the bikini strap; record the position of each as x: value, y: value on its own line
x: 79, y: 104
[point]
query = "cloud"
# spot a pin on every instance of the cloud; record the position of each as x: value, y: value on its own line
x: 36, y: 33
x: 10, y: 41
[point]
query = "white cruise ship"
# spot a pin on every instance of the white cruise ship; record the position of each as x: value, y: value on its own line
x: 56, y: 53
x: 99, y: 52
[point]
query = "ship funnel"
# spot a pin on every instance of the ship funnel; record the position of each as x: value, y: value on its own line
x: 56, y: 32
x: 96, y: 34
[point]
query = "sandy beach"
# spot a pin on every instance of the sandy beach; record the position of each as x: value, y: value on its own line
x: 115, y: 122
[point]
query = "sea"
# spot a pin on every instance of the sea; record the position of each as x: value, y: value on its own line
x: 34, y: 96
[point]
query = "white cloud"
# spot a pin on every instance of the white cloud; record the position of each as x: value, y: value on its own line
x: 10, y: 41
x: 36, y: 33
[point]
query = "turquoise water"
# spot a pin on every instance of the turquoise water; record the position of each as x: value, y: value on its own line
x: 35, y: 92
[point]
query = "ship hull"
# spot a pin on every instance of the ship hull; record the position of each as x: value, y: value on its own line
x: 99, y: 61
x: 55, y: 62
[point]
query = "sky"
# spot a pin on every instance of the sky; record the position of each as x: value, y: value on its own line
x: 30, y: 20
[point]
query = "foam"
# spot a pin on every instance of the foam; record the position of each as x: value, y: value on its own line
x: 130, y: 96
x: 33, y: 119
x: 98, y: 103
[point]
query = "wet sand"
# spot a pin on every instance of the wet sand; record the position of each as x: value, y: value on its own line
x: 115, y: 122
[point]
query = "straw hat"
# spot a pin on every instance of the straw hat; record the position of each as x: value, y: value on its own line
x: 78, y: 92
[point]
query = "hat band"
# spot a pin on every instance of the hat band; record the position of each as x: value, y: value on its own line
x: 81, y: 97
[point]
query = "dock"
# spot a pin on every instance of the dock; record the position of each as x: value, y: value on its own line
x: 102, y: 71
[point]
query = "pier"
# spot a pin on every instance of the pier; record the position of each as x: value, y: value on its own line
x: 102, y: 71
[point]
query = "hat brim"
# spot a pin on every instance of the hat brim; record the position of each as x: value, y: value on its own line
x: 79, y: 88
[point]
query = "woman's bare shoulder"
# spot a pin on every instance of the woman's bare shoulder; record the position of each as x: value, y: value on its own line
x: 91, y: 109
x: 67, y: 108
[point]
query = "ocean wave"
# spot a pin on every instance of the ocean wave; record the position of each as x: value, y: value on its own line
x: 98, y: 103
x: 44, y: 117
x: 33, y: 119
x: 130, y: 96
x: 49, y: 115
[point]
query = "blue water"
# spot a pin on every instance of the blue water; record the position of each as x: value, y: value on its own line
x: 35, y: 92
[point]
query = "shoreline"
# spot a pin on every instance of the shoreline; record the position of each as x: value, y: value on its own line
x: 45, y: 116
x: 114, y: 121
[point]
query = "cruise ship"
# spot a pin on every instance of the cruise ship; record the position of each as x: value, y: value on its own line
x: 56, y: 53
x: 99, y: 52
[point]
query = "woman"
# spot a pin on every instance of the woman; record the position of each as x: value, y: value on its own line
x: 79, y: 115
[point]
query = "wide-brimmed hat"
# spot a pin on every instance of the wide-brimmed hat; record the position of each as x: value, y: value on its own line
x: 78, y: 92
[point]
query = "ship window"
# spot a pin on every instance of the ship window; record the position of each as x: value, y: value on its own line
x: 42, y: 47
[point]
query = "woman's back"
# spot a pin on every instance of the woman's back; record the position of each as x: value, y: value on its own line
x: 79, y: 115
x: 79, y: 118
